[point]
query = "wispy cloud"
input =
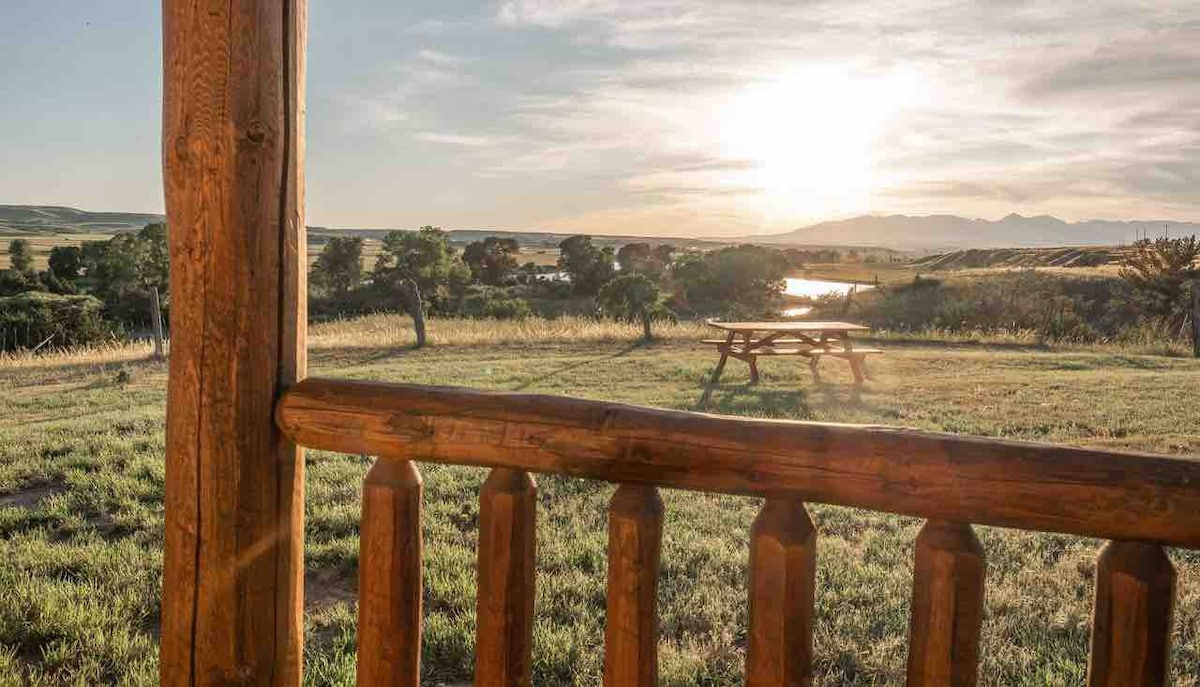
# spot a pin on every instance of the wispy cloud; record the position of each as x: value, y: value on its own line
x: 1061, y: 108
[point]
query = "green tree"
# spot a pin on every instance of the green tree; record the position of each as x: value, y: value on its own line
x: 738, y: 280
x: 338, y: 269
x: 66, y: 263
x: 20, y: 256
x: 418, y: 270
x: 1159, y: 270
x: 633, y: 297
x: 652, y: 261
x: 492, y: 259
x: 588, y: 265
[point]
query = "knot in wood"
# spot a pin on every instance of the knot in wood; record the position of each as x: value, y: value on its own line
x: 256, y: 133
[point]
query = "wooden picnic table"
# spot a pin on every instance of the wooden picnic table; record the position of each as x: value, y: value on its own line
x: 746, y: 341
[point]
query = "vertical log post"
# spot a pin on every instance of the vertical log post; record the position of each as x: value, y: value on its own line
x: 1196, y: 316
x: 232, y: 174
x: 635, y: 517
x: 783, y: 568
x: 389, y: 576
x: 1131, y: 619
x: 156, y: 322
x: 504, y: 609
x: 947, y: 607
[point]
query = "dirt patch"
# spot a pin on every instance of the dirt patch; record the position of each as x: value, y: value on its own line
x: 31, y: 495
x: 329, y: 586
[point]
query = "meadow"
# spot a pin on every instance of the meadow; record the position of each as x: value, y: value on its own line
x: 81, y: 484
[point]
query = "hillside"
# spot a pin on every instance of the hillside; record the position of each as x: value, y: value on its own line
x: 38, y: 220
x: 941, y: 232
x: 1021, y: 257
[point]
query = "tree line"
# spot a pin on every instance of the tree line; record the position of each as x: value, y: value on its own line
x: 88, y: 293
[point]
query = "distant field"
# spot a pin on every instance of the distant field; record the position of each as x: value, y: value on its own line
x: 81, y: 483
x: 41, y: 245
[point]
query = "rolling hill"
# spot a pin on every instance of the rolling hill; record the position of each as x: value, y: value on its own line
x: 34, y: 220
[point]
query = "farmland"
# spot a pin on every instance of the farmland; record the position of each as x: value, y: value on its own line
x: 81, y: 478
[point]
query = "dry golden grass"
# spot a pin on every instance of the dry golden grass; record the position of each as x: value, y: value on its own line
x: 383, y: 330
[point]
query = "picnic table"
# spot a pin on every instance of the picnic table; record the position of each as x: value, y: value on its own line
x: 746, y: 341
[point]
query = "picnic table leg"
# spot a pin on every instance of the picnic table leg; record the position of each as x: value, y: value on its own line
x: 812, y: 365
x: 716, y: 375
x: 752, y: 361
x: 856, y: 366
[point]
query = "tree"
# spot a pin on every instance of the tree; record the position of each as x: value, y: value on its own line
x: 338, y: 269
x: 588, y: 266
x: 652, y: 261
x: 66, y: 263
x: 738, y: 280
x: 492, y: 259
x: 417, y: 269
x: 1159, y: 271
x: 20, y: 256
x: 632, y: 297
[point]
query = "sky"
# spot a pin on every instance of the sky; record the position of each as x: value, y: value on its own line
x: 669, y: 117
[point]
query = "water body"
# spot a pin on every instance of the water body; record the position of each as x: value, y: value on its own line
x: 816, y: 288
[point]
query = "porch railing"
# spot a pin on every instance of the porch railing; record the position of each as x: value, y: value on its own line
x: 1139, y: 502
x: 232, y: 603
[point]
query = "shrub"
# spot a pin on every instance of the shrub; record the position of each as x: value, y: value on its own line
x: 30, y: 318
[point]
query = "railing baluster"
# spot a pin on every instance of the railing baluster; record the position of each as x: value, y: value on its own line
x: 389, y: 576
x: 947, y: 606
x: 504, y: 611
x: 1131, y: 619
x: 635, y: 517
x: 783, y: 564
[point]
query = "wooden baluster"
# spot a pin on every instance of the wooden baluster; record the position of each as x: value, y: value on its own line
x: 783, y: 565
x: 389, y: 576
x: 635, y: 517
x: 947, y: 606
x: 1131, y: 620
x: 504, y: 612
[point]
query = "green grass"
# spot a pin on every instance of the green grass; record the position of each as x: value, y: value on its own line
x: 81, y: 483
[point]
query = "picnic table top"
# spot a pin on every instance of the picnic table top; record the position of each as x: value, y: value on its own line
x: 789, y: 326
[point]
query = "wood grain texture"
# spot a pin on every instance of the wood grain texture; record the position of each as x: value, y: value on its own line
x: 783, y: 567
x: 947, y: 607
x: 635, y: 517
x: 504, y: 606
x: 232, y: 174
x: 389, y: 576
x: 925, y: 474
x: 1131, y: 618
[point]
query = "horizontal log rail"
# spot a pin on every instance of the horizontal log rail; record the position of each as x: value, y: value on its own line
x: 941, y: 477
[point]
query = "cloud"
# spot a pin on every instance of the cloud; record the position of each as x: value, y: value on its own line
x: 1024, y: 106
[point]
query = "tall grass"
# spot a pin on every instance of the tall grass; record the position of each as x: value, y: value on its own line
x: 383, y: 330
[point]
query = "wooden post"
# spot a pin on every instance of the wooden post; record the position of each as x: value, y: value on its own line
x: 947, y: 606
x: 1196, y: 317
x: 783, y: 568
x: 635, y: 517
x: 1131, y: 618
x: 232, y: 173
x: 156, y: 321
x: 389, y: 576
x: 504, y: 606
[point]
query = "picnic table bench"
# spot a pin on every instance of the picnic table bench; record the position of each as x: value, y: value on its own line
x: 746, y: 341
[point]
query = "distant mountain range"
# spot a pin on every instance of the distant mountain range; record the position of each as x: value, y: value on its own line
x: 897, y: 232
x: 933, y: 232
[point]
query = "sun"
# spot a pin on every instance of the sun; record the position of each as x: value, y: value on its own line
x: 810, y: 137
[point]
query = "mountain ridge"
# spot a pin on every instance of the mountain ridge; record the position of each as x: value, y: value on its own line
x: 895, y: 232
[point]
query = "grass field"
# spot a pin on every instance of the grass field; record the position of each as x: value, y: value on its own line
x: 81, y: 484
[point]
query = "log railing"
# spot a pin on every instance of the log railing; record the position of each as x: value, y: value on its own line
x: 1139, y: 502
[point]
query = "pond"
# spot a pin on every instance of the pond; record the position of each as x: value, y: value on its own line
x: 816, y: 288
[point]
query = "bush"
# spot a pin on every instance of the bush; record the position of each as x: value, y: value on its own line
x: 495, y: 303
x: 1059, y: 308
x: 29, y: 319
